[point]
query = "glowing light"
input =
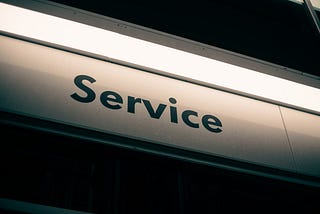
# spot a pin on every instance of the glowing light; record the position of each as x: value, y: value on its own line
x: 113, y: 45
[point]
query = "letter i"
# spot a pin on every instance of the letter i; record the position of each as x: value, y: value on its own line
x: 173, y: 110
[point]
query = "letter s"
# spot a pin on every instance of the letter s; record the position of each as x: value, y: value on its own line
x: 78, y: 81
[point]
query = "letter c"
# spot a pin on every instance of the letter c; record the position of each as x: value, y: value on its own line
x: 185, y: 117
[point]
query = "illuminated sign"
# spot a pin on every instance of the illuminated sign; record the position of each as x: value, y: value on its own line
x: 60, y: 86
x: 170, y: 61
x: 94, y: 78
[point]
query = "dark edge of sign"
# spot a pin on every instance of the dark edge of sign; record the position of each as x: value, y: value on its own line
x: 16, y: 120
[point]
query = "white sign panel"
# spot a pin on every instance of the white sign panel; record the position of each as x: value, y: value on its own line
x: 68, y: 88
x: 304, y: 134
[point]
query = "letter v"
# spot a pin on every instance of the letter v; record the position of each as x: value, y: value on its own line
x: 154, y: 114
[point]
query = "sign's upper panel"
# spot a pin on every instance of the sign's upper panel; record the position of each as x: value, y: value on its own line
x: 256, y: 82
x: 277, y: 31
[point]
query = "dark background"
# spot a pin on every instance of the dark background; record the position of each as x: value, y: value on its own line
x: 277, y: 31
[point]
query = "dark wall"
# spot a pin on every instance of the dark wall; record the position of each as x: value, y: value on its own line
x: 67, y: 171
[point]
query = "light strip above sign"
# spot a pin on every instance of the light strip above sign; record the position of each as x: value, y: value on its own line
x: 63, y: 32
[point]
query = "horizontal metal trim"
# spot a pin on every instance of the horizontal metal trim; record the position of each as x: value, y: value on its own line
x: 9, y: 205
